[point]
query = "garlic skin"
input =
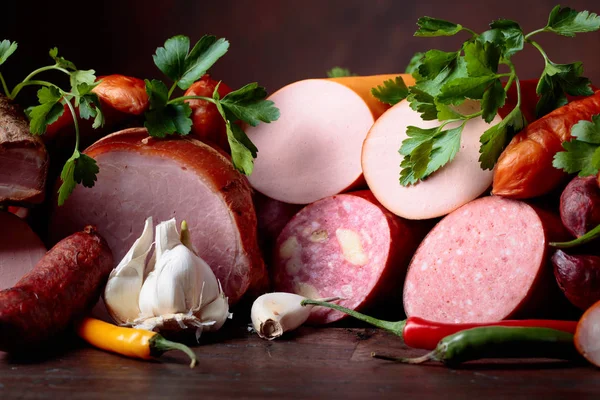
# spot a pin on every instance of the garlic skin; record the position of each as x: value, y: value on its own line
x: 179, y: 289
x: 274, y: 313
x: 125, y: 281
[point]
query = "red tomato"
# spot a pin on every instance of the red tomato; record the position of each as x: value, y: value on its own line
x: 208, y: 125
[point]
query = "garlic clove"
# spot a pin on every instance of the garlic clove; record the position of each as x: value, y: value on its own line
x: 125, y: 281
x: 273, y: 314
x: 217, y: 311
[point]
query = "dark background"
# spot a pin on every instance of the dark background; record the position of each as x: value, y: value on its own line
x: 272, y: 42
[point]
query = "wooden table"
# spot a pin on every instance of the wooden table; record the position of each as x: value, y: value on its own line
x: 310, y: 363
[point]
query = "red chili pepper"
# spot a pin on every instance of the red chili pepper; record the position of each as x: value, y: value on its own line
x: 423, y: 334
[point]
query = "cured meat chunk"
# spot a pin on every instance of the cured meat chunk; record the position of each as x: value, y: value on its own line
x: 20, y: 249
x: 176, y: 178
x: 23, y: 158
x: 313, y: 150
x: 454, y: 185
x: 345, y: 246
x: 485, y: 262
x: 62, y: 286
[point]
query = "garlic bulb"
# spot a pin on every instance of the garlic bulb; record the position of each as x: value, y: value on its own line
x: 273, y: 314
x: 178, y: 289
x: 125, y: 281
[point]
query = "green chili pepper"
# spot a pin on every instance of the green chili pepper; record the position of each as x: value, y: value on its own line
x: 498, y: 342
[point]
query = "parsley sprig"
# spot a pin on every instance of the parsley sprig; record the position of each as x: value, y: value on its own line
x: 79, y: 168
x: 168, y: 116
x: 445, y: 80
x: 582, y: 154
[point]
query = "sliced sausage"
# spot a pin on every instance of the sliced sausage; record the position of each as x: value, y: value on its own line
x: 64, y: 285
x: 454, y: 185
x: 346, y: 246
x: 272, y: 216
x: 313, y: 150
x: 484, y: 262
x: 182, y: 178
x: 20, y: 249
x: 23, y: 158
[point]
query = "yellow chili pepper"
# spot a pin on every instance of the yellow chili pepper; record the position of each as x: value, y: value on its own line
x: 130, y: 342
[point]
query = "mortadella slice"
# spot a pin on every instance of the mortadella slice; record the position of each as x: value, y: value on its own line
x: 176, y: 178
x: 454, y: 185
x: 485, y: 262
x: 20, y: 249
x: 313, y: 150
x: 346, y: 246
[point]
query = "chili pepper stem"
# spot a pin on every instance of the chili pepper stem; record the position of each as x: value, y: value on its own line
x: 394, y: 327
x: 416, y: 360
x: 159, y: 345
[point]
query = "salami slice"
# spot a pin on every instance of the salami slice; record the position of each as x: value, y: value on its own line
x: 485, y: 262
x: 345, y: 246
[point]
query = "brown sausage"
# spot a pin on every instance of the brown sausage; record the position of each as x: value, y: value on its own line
x: 64, y: 284
x: 524, y: 169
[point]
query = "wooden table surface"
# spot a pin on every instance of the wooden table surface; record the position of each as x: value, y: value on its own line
x: 309, y: 363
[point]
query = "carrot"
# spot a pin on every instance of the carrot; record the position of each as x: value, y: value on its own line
x: 362, y: 86
x: 130, y: 342
x: 524, y: 169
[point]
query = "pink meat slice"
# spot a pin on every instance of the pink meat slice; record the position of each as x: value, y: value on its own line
x: 345, y: 246
x: 454, y: 185
x: 484, y: 262
x: 272, y: 216
x: 23, y: 158
x: 313, y: 150
x: 183, y: 179
x: 20, y: 249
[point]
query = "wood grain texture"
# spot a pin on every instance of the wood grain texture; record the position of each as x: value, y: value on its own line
x: 312, y: 363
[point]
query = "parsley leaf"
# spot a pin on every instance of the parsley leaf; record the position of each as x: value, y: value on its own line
x: 80, y: 168
x: 89, y: 104
x: 60, y: 61
x: 567, y: 22
x: 578, y: 157
x: 164, y: 119
x: 492, y: 100
x: 6, y: 49
x: 248, y: 105
x: 339, y: 72
x: 434, y: 62
x: 83, y: 76
x: 49, y: 110
x: 495, y: 139
x: 174, y: 118
x: 556, y: 82
x: 582, y: 154
x: 481, y: 58
x: 185, y: 67
x: 414, y: 63
x: 423, y: 103
x: 427, y: 150
x: 459, y: 89
x: 430, y: 27
x: 391, y: 92
x: 507, y: 35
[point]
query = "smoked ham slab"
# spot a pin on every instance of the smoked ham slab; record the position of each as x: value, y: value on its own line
x: 23, y: 158
x: 174, y: 178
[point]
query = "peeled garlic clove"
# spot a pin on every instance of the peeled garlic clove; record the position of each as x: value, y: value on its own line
x: 125, y: 281
x: 273, y: 314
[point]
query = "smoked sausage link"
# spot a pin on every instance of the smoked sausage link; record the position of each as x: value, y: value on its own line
x: 524, y: 170
x: 64, y: 284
